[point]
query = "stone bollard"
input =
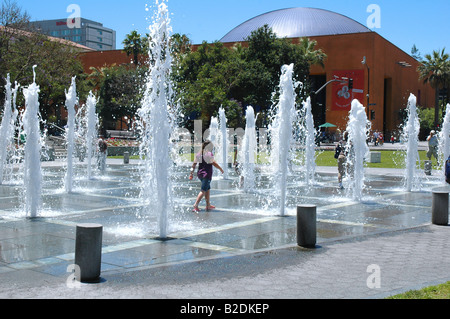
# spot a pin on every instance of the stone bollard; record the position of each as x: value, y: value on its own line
x: 88, y: 252
x: 307, y: 226
x: 428, y: 167
x: 126, y: 158
x: 439, y: 208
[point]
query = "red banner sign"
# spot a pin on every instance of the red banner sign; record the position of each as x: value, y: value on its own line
x: 343, y: 95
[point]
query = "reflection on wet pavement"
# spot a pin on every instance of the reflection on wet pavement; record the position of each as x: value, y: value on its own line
x: 242, y: 223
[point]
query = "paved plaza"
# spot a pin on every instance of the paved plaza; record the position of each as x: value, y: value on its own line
x: 243, y: 249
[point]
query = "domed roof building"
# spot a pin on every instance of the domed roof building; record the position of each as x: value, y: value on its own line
x: 383, y: 75
x: 297, y: 23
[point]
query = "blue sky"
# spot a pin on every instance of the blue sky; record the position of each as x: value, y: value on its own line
x: 404, y: 23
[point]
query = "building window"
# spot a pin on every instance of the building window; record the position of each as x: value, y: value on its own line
x: 100, y: 39
x: 76, y: 39
x: 100, y: 32
x: 76, y: 31
x: 65, y: 32
x: 54, y: 33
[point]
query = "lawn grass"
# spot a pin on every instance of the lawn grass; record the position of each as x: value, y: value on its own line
x: 389, y: 159
x: 433, y: 292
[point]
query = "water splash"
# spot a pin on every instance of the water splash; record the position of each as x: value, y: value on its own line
x: 309, y: 143
x: 281, y: 131
x: 444, y: 141
x: 249, y: 151
x: 410, y: 136
x: 358, y: 128
x: 92, y: 128
x: 157, y: 120
x: 224, y: 143
x: 71, y: 101
x: 33, y: 171
x: 7, y: 128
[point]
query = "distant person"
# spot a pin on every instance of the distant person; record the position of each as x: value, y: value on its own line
x: 375, y: 138
x: 447, y: 170
x: 341, y: 156
x: 103, y: 153
x: 206, y: 162
x: 433, y: 146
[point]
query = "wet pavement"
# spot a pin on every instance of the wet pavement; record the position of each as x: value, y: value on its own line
x: 243, y: 249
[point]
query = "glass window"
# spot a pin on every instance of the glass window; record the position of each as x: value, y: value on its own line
x: 54, y: 33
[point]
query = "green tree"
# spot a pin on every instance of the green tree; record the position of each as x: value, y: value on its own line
x: 415, y: 53
x: 213, y: 75
x: 21, y: 47
x: 264, y: 58
x: 312, y: 56
x: 435, y: 70
x: 203, y: 80
x: 120, y: 95
x: 135, y: 45
x: 181, y: 44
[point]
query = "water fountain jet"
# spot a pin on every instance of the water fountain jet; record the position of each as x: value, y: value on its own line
x: 310, y: 143
x: 91, y: 135
x: 71, y: 101
x: 410, y: 135
x: 33, y: 170
x: 249, y: 151
x: 357, y: 149
x: 7, y: 126
x: 224, y: 142
x: 156, y: 121
x: 281, y: 131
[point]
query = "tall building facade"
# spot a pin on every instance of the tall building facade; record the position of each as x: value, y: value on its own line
x: 90, y: 33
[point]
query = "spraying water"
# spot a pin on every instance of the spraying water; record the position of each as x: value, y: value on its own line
x: 224, y: 142
x: 7, y: 127
x: 33, y: 172
x: 358, y: 128
x: 215, y: 137
x: 71, y: 101
x: 310, y: 143
x: 410, y: 135
x: 157, y: 121
x: 281, y: 131
x: 91, y: 135
x: 249, y: 151
x: 444, y: 140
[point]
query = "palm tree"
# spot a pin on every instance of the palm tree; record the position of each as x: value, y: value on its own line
x: 134, y: 45
x: 312, y: 56
x: 435, y: 70
x: 97, y: 75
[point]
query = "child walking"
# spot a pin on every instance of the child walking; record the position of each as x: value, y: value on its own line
x: 205, y: 161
